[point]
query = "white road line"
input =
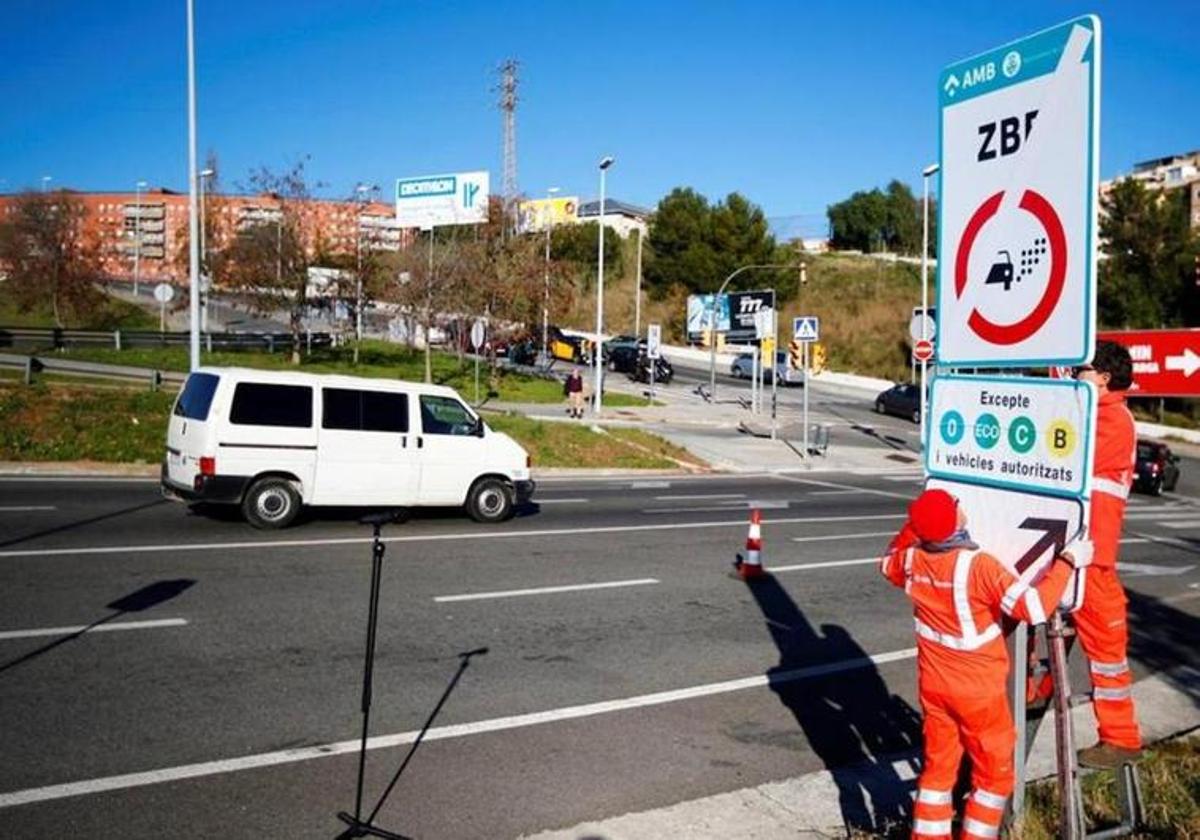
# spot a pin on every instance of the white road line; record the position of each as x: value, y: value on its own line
x: 829, y: 564
x: 260, y: 545
x: 831, y: 492
x: 545, y: 590
x: 912, y: 478
x: 1191, y: 523
x: 80, y: 479
x: 23, y: 508
x: 683, y: 498
x: 1164, y: 513
x: 559, y: 501
x: 99, y: 628
x: 845, y: 536
x: 648, y: 485
x: 731, y: 506
x: 290, y: 756
x: 834, y: 486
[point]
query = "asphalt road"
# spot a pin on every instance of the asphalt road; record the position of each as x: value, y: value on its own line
x: 218, y: 692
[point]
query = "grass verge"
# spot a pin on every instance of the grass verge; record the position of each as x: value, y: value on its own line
x: 376, y: 359
x: 113, y: 314
x: 73, y: 422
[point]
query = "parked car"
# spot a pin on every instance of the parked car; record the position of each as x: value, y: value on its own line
x: 743, y: 368
x: 1156, y: 468
x: 902, y: 400
x: 273, y: 441
x: 619, y: 341
x: 568, y: 348
x: 623, y: 358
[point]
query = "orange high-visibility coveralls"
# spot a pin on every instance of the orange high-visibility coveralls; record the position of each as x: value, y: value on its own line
x: 962, y: 665
x: 1101, y: 620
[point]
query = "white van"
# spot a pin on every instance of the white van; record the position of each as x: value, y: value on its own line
x: 273, y: 441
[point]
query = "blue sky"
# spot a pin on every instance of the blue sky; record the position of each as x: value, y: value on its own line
x: 793, y: 104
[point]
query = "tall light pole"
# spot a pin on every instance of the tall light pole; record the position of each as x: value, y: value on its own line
x: 605, y: 163
x: 637, y: 295
x: 206, y: 278
x: 137, y: 236
x: 548, y: 220
x: 927, y: 173
x: 360, y: 193
x: 193, y: 210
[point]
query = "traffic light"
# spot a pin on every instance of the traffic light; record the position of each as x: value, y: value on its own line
x: 818, y: 358
x: 796, y: 355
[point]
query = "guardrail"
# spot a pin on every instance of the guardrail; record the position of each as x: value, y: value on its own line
x: 33, y: 365
x: 54, y: 338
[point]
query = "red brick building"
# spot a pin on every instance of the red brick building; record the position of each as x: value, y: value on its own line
x: 152, y: 231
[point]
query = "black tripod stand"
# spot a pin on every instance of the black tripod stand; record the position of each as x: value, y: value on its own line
x: 357, y: 825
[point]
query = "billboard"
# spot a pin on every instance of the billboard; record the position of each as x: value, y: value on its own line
x: 460, y: 198
x: 734, y: 314
x: 536, y: 214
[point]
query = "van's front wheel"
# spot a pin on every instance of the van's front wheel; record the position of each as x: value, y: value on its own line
x: 271, y: 503
x: 490, y: 500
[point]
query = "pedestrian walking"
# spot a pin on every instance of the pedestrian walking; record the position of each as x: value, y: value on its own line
x: 960, y: 595
x: 573, y: 391
x: 1100, y: 619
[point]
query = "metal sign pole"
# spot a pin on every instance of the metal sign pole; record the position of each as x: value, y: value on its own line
x: 1019, y: 671
x: 774, y: 383
x: 805, y: 413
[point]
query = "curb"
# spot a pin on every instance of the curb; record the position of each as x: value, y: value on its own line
x: 99, y: 469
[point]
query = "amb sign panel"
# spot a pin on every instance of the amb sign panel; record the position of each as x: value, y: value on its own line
x: 1030, y: 435
x: 1018, y: 139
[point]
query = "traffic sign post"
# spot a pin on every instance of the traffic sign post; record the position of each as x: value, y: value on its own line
x: 1017, y: 201
x: 478, y: 332
x: 806, y: 329
x: 1166, y: 363
x: 164, y: 293
x: 653, y: 351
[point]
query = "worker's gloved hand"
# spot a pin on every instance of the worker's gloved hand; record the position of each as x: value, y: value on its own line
x: 1078, y: 552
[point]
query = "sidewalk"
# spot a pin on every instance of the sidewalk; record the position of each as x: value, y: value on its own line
x: 807, y: 806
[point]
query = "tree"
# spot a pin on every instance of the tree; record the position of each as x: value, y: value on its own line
x: 579, y: 244
x: 267, y: 261
x: 875, y: 220
x: 48, y: 257
x: 1147, y: 275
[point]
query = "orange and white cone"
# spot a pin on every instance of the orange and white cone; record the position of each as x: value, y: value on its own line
x: 750, y: 567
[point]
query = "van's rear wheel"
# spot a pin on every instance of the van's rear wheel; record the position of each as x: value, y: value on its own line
x: 490, y: 500
x: 271, y: 503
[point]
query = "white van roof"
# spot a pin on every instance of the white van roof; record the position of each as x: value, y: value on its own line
x: 331, y: 380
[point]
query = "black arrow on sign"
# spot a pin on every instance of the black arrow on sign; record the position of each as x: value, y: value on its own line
x: 1054, y: 535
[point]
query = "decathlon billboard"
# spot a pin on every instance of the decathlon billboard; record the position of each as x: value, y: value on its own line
x: 430, y: 201
x: 1019, y: 155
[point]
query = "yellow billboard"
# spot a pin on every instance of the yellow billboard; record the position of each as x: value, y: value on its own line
x: 535, y: 214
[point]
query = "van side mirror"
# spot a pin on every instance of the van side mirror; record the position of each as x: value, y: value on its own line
x: 477, y: 429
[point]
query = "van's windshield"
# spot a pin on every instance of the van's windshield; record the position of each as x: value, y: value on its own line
x: 197, y: 396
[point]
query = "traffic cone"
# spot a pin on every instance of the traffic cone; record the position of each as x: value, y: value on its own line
x: 750, y: 567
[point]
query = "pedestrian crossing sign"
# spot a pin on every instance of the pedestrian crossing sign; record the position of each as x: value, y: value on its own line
x: 806, y: 328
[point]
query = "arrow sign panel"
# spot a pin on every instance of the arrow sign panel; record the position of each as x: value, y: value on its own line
x: 1054, y: 536
x: 1166, y: 363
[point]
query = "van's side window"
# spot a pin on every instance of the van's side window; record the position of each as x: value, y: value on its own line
x: 366, y: 411
x: 445, y: 416
x: 257, y: 404
x: 197, y: 396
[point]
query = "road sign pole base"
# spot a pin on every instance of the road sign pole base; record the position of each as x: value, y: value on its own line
x: 359, y: 828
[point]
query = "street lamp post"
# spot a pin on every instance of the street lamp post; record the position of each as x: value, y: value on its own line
x: 137, y: 236
x: 361, y: 190
x: 206, y: 279
x: 193, y: 214
x: 605, y: 163
x: 927, y: 173
x: 548, y: 220
x: 637, y: 295
x: 712, y: 324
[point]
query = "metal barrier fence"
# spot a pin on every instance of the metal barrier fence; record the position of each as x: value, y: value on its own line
x: 42, y: 338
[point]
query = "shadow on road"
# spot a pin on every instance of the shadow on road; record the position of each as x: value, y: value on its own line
x: 57, y: 529
x: 852, y: 722
x: 137, y: 601
x: 1166, y: 640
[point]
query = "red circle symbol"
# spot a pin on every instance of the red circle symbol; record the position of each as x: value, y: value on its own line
x: 1036, y: 205
x: 923, y: 350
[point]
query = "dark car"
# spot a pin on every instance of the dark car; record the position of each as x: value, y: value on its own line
x: 1157, y: 468
x: 902, y: 400
x: 623, y: 358
x: 619, y: 341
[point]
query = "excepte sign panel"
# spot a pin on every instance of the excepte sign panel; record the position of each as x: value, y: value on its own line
x: 1017, y: 201
x: 1020, y: 434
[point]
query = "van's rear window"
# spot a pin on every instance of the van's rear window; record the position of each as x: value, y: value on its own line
x: 257, y: 404
x: 197, y: 396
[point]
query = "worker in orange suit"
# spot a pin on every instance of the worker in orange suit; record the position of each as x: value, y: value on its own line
x: 1100, y: 620
x: 960, y: 595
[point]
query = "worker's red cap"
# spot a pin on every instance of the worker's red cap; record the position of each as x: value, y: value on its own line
x: 933, y: 515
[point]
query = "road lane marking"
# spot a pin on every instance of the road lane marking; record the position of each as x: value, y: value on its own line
x: 835, y: 486
x: 648, y: 485
x: 544, y: 590
x: 831, y: 492
x: 24, y: 508
x: 259, y: 545
x: 558, y: 501
x: 684, y: 497
x: 829, y: 564
x: 1163, y: 513
x: 290, y: 756
x: 87, y: 628
x: 1190, y: 523
x: 845, y: 536
x: 730, y: 506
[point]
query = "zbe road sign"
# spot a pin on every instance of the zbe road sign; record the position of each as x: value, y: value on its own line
x: 1017, y: 204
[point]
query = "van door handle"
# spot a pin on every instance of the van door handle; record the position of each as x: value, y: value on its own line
x: 404, y: 441
x: 420, y: 442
